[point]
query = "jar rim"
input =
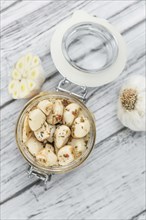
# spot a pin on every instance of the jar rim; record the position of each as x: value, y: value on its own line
x: 100, y: 32
x: 28, y: 158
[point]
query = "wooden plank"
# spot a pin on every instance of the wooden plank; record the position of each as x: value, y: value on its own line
x: 100, y: 112
x: 119, y: 195
x: 140, y: 216
x: 6, y: 4
x: 42, y: 33
x: 110, y: 185
x: 106, y: 121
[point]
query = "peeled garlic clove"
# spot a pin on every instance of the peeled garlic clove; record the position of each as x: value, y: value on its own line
x: 70, y: 113
x: 58, y: 108
x: 36, y: 119
x: 58, y: 111
x: 81, y: 113
x: 26, y: 130
x: 65, y: 155
x: 44, y: 132
x: 79, y: 146
x: 80, y: 127
x: 49, y: 147
x: 51, y: 132
x: 57, y: 114
x: 131, y: 104
x: 46, y: 157
x: 46, y: 106
x: 34, y: 146
x: 61, y: 136
x: 51, y: 119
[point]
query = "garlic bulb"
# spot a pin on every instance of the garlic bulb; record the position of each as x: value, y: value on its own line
x: 27, y: 77
x: 131, y: 104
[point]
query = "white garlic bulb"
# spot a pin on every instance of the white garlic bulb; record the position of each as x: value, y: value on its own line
x: 131, y: 104
x: 27, y: 77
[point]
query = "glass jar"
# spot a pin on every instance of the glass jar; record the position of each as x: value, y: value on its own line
x: 36, y: 168
x: 92, y: 42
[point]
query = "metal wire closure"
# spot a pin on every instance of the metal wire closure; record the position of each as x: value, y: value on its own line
x: 65, y: 81
x: 41, y: 176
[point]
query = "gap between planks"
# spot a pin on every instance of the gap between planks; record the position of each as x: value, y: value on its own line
x: 137, y: 217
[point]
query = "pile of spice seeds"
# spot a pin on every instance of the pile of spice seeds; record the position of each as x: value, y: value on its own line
x: 56, y: 132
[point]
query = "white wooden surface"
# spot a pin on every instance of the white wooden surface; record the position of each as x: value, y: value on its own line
x: 110, y: 185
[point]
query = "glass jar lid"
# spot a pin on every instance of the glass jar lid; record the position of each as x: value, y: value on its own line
x: 87, y: 50
x: 89, y: 47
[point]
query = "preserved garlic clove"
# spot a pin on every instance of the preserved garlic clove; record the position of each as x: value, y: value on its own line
x: 80, y: 127
x: 61, y: 136
x: 34, y: 146
x: 65, y: 155
x: 52, y: 131
x: 70, y: 113
x: 46, y: 157
x: 50, y: 147
x: 44, y: 132
x: 79, y: 146
x: 57, y: 113
x: 53, y: 119
x: 46, y: 106
x: 36, y: 119
x: 26, y: 130
x: 58, y: 108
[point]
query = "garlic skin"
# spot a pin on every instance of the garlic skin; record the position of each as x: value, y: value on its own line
x: 131, y: 104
